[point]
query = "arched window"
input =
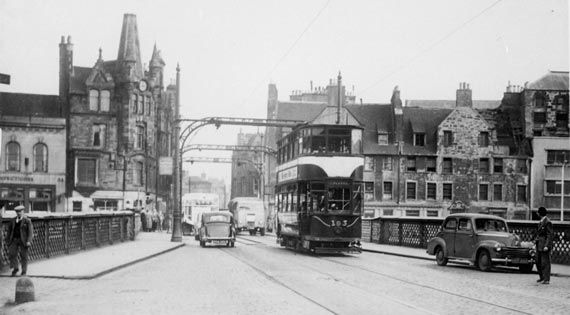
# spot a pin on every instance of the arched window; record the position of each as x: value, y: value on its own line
x: 40, y: 158
x: 93, y: 99
x: 138, y: 173
x: 13, y: 156
x: 105, y: 100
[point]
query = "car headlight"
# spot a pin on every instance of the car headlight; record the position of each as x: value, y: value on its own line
x: 498, y: 247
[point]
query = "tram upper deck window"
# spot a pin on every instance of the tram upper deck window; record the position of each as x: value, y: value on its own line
x: 339, y: 140
x: 318, y: 140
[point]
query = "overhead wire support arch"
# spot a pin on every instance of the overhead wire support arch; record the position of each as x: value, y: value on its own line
x: 218, y: 121
x: 249, y: 148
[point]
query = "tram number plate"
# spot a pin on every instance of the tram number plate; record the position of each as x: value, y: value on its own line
x: 219, y: 242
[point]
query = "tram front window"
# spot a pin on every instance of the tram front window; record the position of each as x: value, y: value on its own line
x: 338, y: 199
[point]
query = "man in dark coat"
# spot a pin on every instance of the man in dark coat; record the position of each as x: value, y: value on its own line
x: 543, y: 238
x: 20, y: 235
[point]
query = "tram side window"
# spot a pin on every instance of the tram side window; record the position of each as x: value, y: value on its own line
x: 318, y: 140
x: 316, y: 195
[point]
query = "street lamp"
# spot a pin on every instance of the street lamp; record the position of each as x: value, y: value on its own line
x: 176, y: 211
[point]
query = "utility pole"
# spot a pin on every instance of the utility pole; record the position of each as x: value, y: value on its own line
x: 176, y: 216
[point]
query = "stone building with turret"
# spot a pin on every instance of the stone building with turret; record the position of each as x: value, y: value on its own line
x: 118, y: 117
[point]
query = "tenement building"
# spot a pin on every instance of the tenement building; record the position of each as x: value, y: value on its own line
x: 428, y: 158
x: 544, y: 104
x: 118, y: 118
x: 32, y: 152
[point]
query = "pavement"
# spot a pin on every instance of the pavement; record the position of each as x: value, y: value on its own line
x: 96, y: 262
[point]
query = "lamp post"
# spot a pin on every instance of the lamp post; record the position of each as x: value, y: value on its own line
x: 176, y: 216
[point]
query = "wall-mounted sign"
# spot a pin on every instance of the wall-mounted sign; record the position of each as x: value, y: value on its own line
x: 165, y: 165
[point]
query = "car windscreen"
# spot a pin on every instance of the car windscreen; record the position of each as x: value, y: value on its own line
x: 491, y: 225
x: 217, y: 218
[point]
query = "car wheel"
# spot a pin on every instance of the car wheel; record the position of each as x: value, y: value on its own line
x: 440, y: 257
x: 526, y: 268
x: 484, y: 261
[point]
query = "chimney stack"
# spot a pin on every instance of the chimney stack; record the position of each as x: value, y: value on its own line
x: 464, y: 96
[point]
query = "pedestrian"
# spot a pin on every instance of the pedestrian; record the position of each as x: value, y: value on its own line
x: 143, y: 220
x: 543, y: 238
x: 20, y: 235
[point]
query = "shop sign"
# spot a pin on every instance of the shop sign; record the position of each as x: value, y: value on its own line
x: 12, y: 178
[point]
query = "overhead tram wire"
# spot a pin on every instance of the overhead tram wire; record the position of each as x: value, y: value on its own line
x: 432, y: 46
x: 288, y: 51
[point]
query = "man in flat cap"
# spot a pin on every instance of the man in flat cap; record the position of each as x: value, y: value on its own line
x: 20, y: 235
x: 543, y: 239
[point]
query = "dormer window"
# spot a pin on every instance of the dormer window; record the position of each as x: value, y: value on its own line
x: 419, y: 139
x: 383, y: 138
x: 99, y: 100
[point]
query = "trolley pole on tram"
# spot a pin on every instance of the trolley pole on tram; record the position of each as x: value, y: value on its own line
x: 176, y: 215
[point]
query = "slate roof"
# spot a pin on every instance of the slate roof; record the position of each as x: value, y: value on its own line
x: 20, y: 104
x: 422, y: 120
x: 553, y: 80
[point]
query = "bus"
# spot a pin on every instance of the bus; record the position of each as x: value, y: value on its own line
x: 249, y: 214
x: 319, y: 189
x: 193, y: 205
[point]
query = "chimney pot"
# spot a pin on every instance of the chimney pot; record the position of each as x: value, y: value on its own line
x: 69, y: 39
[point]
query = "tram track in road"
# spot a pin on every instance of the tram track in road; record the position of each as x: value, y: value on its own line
x: 277, y: 281
x: 419, y: 285
x: 316, y: 270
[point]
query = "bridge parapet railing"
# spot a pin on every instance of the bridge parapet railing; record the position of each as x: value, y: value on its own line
x: 57, y: 234
x: 416, y: 232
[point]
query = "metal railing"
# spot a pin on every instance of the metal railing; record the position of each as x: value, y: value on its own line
x: 63, y: 234
x: 416, y: 232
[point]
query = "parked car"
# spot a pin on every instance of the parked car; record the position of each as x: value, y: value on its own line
x: 482, y: 240
x: 217, y: 228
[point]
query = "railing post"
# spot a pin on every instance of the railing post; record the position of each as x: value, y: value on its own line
x: 46, y: 237
x: 82, y: 227
x: 111, y: 230
x: 422, y: 234
x: 66, y: 225
x: 399, y: 233
x: 97, y: 232
x: 121, y: 227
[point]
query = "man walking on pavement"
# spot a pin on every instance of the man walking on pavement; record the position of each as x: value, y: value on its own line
x: 543, y: 238
x: 20, y: 235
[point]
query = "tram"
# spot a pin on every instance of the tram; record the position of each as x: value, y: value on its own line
x: 319, y: 189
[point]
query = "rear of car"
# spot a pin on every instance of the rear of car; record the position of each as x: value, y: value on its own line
x: 217, y: 228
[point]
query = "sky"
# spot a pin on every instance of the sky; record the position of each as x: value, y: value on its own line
x: 229, y: 51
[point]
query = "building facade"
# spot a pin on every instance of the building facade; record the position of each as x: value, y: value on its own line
x: 544, y: 103
x: 429, y: 159
x: 32, y: 153
x: 247, y: 170
x: 118, y: 118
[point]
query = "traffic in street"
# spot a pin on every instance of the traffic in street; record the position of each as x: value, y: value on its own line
x: 257, y: 276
